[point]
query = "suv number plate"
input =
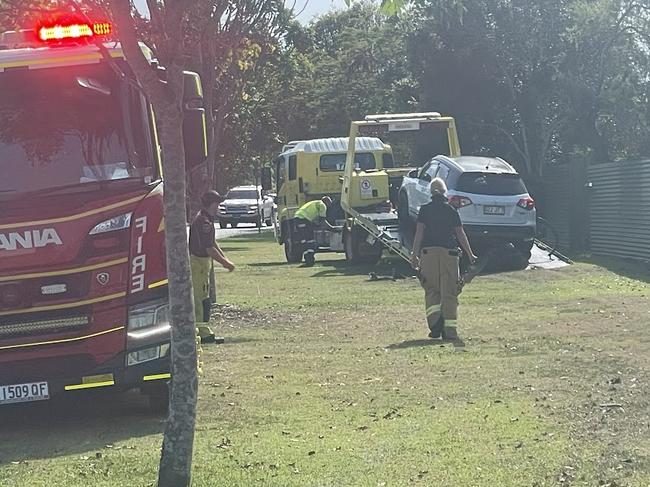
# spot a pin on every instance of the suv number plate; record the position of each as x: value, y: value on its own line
x: 35, y: 391
x: 494, y: 210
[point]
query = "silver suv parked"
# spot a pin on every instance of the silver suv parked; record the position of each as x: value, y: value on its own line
x: 491, y: 198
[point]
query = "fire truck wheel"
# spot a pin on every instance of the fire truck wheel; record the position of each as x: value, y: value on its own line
x: 158, y: 397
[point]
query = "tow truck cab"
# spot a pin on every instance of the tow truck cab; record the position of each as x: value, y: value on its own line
x: 83, y: 282
x: 307, y: 170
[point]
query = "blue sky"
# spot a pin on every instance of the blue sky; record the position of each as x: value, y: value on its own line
x: 312, y: 8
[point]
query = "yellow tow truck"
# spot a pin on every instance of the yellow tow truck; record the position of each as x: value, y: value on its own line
x: 307, y: 170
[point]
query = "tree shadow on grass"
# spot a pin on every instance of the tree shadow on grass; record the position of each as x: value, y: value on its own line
x: 237, y: 340
x: 270, y: 264
x: 383, y: 270
x: 76, y: 423
x: 228, y: 248
x: 637, y: 270
x: 457, y: 342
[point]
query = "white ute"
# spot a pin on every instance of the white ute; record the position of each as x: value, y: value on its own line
x: 246, y: 204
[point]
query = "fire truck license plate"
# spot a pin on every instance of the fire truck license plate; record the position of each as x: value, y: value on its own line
x: 35, y: 391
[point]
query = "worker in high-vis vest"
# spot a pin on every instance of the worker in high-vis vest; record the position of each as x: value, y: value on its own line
x: 309, y: 216
x: 435, y: 254
x: 203, y: 249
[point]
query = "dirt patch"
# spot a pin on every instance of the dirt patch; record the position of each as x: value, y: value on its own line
x: 234, y: 316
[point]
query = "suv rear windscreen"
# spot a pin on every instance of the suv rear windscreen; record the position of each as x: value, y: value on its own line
x: 491, y: 184
x: 336, y: 162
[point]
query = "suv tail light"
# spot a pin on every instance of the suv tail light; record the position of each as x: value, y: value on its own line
x: 526, y: 203
x: 459, y: 202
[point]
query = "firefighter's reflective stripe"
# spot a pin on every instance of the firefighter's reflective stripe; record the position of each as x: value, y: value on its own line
x: 433, y: 309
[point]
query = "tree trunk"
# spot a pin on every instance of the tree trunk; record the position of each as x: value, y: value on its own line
x: 176, y: 458
x: 178, y: 441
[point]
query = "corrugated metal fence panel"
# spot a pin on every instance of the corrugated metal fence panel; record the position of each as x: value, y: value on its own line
x: 620, y: 209
x: 556, y: 207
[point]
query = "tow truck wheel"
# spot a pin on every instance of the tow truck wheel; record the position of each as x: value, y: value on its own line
x: 358, y: 250
x: 525, y: 252
x: 292, y: 251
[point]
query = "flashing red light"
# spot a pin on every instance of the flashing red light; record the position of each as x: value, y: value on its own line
x: 73, y: 31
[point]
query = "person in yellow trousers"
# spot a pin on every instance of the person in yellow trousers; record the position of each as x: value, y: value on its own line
x: 435, y: 254
x: 203, y: 249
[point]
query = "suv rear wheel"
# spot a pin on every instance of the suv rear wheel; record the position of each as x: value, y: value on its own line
x: 403, y: 210
x: 158, y: 397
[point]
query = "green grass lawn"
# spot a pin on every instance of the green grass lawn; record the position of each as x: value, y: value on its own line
x: 328, y: 379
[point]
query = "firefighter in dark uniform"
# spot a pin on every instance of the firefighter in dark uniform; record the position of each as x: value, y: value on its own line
x: 203, y: 249
x: 435, y: 254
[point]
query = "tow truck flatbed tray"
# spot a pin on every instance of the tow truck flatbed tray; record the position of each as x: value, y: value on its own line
x: 383, y: 219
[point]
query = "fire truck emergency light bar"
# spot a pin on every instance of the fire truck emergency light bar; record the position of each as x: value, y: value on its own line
x: 61, y: 32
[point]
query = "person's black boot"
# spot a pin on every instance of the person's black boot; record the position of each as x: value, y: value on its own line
x: 438, y: 329
x: 310, y: 258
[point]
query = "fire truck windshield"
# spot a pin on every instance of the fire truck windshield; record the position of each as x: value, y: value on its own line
x: 70, y: 126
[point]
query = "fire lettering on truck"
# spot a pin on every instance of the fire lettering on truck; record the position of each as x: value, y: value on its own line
x: 29, y: 239
x: 139, y: 261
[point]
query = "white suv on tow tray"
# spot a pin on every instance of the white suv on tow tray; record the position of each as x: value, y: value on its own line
x: 491, y: 198
x: 245, y: 204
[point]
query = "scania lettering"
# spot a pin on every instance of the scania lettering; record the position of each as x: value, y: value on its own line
x: 29, y: 239
x: 83, y: 282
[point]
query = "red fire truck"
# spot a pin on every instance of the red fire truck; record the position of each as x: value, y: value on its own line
x: 83, y: 284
